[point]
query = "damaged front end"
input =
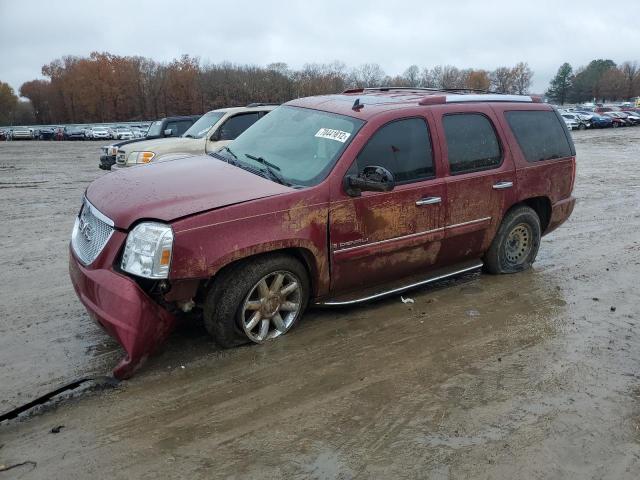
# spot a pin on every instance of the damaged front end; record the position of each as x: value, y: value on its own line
x: 106, y: 282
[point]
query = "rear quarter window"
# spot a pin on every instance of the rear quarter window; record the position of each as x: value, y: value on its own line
x: 540, y: 135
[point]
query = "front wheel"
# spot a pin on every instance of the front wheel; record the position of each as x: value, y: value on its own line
x: 516, y: 243
x: 257, y: 300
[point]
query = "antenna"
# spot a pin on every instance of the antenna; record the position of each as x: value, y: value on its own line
x: 357, y: 106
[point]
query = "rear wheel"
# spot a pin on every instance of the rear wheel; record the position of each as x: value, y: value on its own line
x: 582, y: 126
x: 516, y: 243
x: 257, y: 300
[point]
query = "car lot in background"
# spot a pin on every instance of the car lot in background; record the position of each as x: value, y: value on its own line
x: 100, y: 133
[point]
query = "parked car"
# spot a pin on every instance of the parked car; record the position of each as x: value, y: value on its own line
x: 46, y: 133
x: 22, y: 133
x: 331, y: 200
x: 165, y: 127
x: 124, y: 133
x: 617, y: 121
x: 73, y: 133
x: 4, y: 134
x: 100, y: 133
x: 598, y: 121
x: 211, y: 132
x: 574, y: 122
x: 629, y: 117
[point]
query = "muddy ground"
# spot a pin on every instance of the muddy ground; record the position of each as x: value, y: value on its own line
x: 534, y: 375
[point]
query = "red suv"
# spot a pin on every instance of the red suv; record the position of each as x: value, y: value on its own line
x: 328, y: 200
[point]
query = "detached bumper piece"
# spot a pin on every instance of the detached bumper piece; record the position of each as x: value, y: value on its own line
x: 125, y: 311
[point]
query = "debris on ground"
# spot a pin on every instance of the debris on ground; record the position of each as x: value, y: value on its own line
x: 56, y: 429
x: 406, y: 300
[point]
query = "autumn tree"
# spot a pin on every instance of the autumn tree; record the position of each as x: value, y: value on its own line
x: 478, y: 80
x: 8, y: 104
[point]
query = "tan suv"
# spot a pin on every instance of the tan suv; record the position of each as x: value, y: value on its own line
x: 211, y: 132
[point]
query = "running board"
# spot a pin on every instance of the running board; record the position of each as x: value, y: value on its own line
x: 439, y: 274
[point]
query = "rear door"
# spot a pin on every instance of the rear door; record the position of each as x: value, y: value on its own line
x: 481, y: 180
x: 382, y: 236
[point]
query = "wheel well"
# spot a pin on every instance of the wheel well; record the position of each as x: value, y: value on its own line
x: 302, y: 254
x: 542, y: 207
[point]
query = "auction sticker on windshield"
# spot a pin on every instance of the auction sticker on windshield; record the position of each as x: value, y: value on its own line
x: 331, y: 134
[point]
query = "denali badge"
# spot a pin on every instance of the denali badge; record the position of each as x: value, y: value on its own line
x: 85, y: 228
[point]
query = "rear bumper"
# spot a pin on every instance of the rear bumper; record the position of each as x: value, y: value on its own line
x: 560, y: 212
x: 124, y: 310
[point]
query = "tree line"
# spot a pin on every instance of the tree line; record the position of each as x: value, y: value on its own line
x: 104, y: 87
x: 599, y: 81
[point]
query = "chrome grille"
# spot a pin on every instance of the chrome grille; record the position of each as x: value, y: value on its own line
x: 91, y: 233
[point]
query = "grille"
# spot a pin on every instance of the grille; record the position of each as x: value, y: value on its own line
x: 91, y: 233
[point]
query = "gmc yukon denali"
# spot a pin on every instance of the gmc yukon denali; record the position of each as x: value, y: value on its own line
x: 330, y: 200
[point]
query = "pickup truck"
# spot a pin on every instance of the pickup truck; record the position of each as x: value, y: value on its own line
x: 214, y: 130
x: 163, y: 128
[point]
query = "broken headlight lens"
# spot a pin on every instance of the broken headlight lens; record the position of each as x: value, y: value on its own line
x: 147, y: 252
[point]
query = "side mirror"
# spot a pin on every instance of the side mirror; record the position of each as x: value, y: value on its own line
x: 372, y: 179
x: 168, y: 132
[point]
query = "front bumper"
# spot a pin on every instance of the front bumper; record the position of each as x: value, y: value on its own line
x: 124, y: 310
x: 107, y: 161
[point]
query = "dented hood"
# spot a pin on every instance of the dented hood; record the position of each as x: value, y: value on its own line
x: 169, y: 190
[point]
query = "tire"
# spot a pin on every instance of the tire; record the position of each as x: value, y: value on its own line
x: 582, y: 126
x: 225, y: 315
x: 516, y: 243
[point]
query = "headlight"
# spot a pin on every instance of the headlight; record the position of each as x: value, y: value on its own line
x: 147, y: 252
x: 140, y: 157
x: 112, y: 151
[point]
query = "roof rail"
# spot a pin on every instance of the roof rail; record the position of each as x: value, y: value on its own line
x: 439, y: 99
x: 420, y: 89
x: 260, y: 104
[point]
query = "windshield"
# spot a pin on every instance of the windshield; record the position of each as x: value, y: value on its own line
x: 155, y: 130
x: 203, y: 125
x: 301, y: 144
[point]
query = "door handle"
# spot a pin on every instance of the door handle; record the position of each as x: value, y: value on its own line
x: 428, y: 201
x: 502, y: 185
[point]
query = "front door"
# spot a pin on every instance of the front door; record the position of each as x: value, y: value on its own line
x: 383, y: 236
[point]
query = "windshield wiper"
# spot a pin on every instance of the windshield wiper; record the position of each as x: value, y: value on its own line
x: 189, y: 136
x: 230, y: 152
x: 270, y: 169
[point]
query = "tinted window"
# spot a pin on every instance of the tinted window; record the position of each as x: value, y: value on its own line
x: 472, y: 144
x: 178, y: 127
x: 539, y: 134
x: 403, y: 147
x: 236, y: 125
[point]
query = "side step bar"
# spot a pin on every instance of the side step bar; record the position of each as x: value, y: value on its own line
x: 459, y: 269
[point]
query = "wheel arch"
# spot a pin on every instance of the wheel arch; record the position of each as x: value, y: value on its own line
x: 304, y: 255
x: 542, y: 206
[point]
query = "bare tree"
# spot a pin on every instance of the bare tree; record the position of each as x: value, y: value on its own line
x: 502, y: 79
x: 522, y: 76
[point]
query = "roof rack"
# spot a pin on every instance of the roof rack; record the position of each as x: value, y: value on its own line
x: 259, y: 104
x: 491, y: 97
x: 419, y: 89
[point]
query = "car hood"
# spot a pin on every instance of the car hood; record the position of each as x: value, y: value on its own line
x: 173, y: 189
x: 162, y: 146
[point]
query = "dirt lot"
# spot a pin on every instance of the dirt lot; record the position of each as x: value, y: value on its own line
x: 535, y: 375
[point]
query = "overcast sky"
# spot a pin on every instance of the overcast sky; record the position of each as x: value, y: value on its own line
x: 481, y: 34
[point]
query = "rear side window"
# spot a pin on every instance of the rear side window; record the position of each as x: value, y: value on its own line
x: 539, y: 134
x: 403, y: 147
x: 472, y: 144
